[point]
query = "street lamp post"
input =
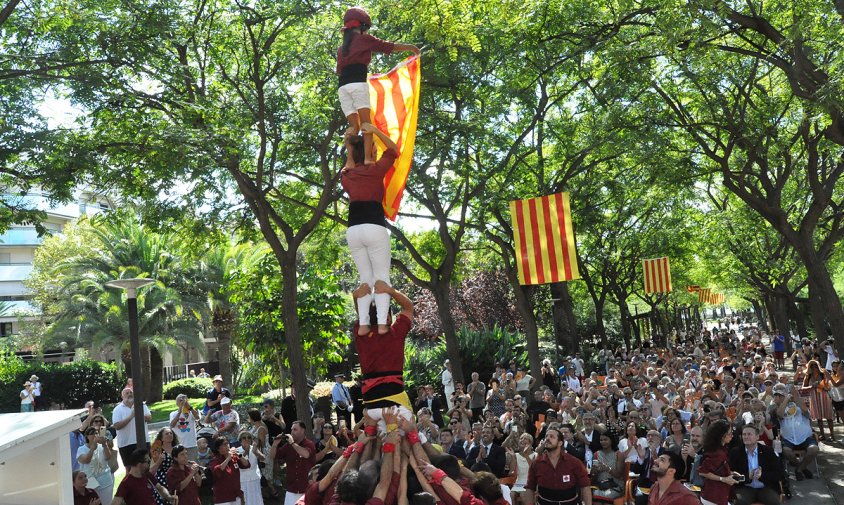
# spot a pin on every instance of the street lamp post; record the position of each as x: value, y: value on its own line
x: 131, y: 286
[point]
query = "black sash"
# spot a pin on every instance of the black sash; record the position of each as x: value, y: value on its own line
x: 366, y: 213
x: 548, y: 496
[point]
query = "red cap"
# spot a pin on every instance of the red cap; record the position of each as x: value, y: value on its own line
x: 356, y: 17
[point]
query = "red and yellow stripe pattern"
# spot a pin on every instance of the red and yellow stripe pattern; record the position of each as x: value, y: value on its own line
x: 657, y: 275
x: 544, y: 239
x: 394, y: 98
x: 709, y: 297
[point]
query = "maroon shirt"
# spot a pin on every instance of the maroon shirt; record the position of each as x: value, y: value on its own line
x: 137, y: 490
x: 360, y: 51
x: 676, y: 494
x: 378, y: 354
x: 86, y: 498
x: 365, y: 183
x: 297, y: 466
x: 715, y: 462
x: 226, y: 486
x: 190, y: 494
x: 569, y: 473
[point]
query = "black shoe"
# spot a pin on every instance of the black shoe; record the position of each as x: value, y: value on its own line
x: 799, y: 476
x: 807, y: 473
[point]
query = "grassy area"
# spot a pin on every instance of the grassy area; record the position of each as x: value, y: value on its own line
x: 161, y: 410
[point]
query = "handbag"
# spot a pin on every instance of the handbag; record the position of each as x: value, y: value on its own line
x: 836, y: 394
x: 605, y: 485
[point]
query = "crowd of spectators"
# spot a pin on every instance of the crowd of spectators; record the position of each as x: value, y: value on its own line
x: 718, y: 415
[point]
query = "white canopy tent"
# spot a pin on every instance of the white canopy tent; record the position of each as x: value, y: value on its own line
x: 35, y: 459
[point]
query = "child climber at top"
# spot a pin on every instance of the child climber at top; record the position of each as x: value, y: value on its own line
x: 353, y: 59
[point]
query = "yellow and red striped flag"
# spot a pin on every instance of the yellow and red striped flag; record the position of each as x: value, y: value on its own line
x: 703, y: 295
x: 544, y: 239
x: 394, y: 97
x: 657, y: 275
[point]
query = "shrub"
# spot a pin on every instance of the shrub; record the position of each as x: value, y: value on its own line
x: 65, y: 385
x: 480, y: 350
x: 192, y: 387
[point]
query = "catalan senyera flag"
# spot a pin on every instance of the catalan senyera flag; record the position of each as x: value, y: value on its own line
x: 657, y: 275
x: 544, y: 239
x: 710, y: 297
x: 394, y: 99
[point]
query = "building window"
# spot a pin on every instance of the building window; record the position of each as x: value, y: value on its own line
x: 5, y: 258
x: 5, y: 329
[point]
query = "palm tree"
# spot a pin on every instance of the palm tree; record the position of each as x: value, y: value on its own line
x: 123, y: 248
x: 212, y: 272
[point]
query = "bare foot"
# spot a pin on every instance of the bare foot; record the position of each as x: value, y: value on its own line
x: 363, y: 330
x: 382, y: 329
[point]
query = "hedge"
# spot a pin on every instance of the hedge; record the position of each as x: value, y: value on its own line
x: 193, y: 387
x: 64, y: 385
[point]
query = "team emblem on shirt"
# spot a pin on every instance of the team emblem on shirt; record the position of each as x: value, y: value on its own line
x: 566, y: 478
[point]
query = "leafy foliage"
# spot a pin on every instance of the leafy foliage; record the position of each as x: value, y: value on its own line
x: 67, y: 385
x: 480, y: 349
x: 193, y: 387
x: 257, y: 294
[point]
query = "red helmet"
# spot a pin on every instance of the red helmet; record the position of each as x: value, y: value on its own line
x: 356, y: 17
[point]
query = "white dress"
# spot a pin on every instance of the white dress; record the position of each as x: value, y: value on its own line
x: 250, y: 480
x: 523, y: 467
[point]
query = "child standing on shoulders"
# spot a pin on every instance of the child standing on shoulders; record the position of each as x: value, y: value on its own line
x: 353, y: 59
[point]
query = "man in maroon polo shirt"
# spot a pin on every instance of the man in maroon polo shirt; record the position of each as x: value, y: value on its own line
x: 555, y: 477
x: 138, y: 486
x: 299, y: 454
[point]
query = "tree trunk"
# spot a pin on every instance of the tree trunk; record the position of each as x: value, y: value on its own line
x: 816, y: 312
x: 797, y: 317
x: 779, y: 313
x: 292, y: 338
x: 525, y: 310
x: 626, y: 320
x: 441, y: 292
x: 565, y: 326
x: 156, y: 372
x: 820, y: 284
x: 760, y: 314
x: 223, y: 323
x: 599, y: 322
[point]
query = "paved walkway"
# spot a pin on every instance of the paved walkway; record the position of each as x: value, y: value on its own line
x: 830, y: 485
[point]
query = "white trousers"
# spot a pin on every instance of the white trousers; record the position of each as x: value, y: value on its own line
x: 370, y: 248
x: 375, y: 414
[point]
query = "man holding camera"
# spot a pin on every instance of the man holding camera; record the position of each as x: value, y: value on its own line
x: 299, y: 454
x: 760, y: 467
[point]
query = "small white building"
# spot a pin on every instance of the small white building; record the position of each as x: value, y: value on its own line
x: 35, y: 459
